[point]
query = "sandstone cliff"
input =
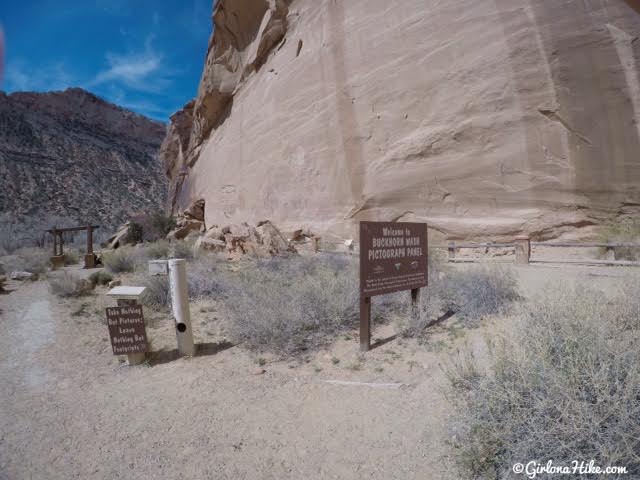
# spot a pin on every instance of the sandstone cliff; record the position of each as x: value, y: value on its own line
x: 72, y: 155
x: 485, y: 118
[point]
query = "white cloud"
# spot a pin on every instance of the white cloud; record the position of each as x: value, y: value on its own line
x: 142, y: 71
x: 21, y: 77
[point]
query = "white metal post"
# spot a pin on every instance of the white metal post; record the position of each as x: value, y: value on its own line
x: 180, y: 306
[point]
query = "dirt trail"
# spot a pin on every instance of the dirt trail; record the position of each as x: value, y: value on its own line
x: 70, y: 409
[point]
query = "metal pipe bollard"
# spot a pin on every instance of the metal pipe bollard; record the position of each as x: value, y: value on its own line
x: 180, y: 306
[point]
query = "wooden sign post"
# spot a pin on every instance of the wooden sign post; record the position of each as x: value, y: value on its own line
x: 393, y: 257
x: 126, y: 324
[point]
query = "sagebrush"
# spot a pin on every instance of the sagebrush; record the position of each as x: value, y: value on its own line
x: 470, y: 292
x: 100, y: 278
x: 156, y: 294
x: 119, y: 261
x: 562, y: 383
x: 289, y: 305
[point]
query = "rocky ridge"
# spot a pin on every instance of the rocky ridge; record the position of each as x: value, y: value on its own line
x: 71, y: 155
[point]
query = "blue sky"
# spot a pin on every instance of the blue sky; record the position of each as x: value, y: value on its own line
x: 141, y: 54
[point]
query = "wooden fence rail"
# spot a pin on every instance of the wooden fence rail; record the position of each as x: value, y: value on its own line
x: 522, y: 248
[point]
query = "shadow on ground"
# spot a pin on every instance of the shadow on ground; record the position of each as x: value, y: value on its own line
x: 384, y: 341
x: 202, y: 350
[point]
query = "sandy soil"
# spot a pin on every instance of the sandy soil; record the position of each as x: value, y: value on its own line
x: 70, y: 409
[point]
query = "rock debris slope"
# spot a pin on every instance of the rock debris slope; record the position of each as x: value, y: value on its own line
x: 72, y: 155
x: 484, y: 118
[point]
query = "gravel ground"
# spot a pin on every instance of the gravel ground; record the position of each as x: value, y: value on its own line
x: 70, y: 409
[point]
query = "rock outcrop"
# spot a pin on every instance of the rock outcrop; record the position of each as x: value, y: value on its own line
x: 264, y: 239
x: 71, y: 155
x: 487, y: 118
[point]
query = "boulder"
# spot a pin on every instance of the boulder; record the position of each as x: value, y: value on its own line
x: 22, y: 276
x: 270, y: 240
x: 214, y: 232
x: 265, y: 239
x: 120, y: 238
x: 213, y: 244
x: 184, y: 228
x: 241, y: 231
x: 195, y: 211
x: 114, y: 283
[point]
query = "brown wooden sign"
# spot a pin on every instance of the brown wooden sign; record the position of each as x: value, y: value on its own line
x: 393, y: 257
x: 126, y: 329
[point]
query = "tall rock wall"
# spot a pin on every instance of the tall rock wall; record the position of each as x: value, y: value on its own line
x: 484, y: 118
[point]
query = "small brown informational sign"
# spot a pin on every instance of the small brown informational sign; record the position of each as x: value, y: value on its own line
x: 126, y: 329
x: 393, y: 257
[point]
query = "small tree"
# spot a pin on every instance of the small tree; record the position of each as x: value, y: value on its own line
x: 134, y: 233
x: 161, y: 223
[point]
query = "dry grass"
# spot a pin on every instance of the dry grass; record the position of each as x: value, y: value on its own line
x: 628, y: 231
x: 563, y: 384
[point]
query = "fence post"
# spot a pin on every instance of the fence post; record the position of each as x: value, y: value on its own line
x: 523, y: 249
x: 180, y: 306
x: 415, y: 305
x: 89, y: 257
x: 452, y: 250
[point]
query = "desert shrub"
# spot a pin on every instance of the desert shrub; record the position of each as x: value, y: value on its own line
x: 182, y: 249
x: 627, y: 231
x: 69, y: 285
x: 134, y: 233
x: 289, y: 305
x: 100, y: 278
x: 472, y: 293
x: 210, y: 277
x: 161, y: 223
x: 32, y: 260
x: 476, y: 292
x: 158, y: 249
x: 154, y: 226
x: 432, y: 305
x: 156, y: 295
x: 71, y: 257
x: 563, y: 383
x: 118, y: 261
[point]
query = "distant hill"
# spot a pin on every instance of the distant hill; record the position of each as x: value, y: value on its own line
x: 72, y: 156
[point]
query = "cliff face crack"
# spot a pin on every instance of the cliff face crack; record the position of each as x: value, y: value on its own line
x: 553, y: 116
